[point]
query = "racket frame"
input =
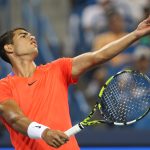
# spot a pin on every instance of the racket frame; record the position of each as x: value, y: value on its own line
x: 80, y: 126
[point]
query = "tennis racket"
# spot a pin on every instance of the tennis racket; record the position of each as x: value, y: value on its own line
x: 123, y: 100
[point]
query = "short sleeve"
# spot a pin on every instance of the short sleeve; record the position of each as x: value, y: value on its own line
x: 5, y: 90
x: 65, y: 66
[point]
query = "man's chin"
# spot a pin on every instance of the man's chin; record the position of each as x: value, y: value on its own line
x: 36, y: 53
x: 35, y: 50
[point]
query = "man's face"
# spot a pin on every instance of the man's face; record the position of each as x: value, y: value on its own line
x: 24, y: 43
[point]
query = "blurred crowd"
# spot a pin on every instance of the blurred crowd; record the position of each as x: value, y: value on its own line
x: 95, y: 23
x: 92, y: 24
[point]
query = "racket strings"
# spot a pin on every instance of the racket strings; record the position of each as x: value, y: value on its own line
x: 126, y: 97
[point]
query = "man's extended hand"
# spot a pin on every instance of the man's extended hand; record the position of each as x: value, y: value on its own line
x: 143, y: 28
x: 84, y: 62
x: 54, y: 138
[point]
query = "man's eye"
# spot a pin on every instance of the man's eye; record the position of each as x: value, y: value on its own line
x: 24, y: 35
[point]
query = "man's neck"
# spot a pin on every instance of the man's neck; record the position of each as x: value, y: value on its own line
x: 24, y: 69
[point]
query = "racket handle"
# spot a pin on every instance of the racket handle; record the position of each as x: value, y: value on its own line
x: 74, y: 130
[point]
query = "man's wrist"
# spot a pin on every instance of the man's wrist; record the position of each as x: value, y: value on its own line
x: 35, y: 130
x: 135, y: 35
x: 45, y: 132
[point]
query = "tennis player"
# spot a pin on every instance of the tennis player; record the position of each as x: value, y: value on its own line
x: 34, y: 99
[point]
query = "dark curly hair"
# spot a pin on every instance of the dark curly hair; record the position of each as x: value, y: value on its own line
x: 7, y: 38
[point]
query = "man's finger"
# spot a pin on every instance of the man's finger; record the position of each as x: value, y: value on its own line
x: 63, y: 136
x: 61, y: 141
x: 56, y: 143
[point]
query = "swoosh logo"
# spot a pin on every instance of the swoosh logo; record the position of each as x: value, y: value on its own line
x: 38, y: 127
x: 32, y: 83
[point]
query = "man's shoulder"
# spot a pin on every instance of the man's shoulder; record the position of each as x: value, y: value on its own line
x: 4, y: 80
x: 8, y: 78
x: 55, y: 63
x: 48, y: 66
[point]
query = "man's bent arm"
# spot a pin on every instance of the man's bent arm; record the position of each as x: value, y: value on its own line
x: 86, y: 61
x: 11, y: 112
x: 14, y: 116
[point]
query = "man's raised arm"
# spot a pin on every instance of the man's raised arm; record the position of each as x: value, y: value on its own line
x: 86, y: 61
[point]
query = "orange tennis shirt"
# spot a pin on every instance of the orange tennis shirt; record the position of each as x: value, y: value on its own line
x: 43, y: 98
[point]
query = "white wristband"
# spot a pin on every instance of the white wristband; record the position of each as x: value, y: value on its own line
x: 35, y: 130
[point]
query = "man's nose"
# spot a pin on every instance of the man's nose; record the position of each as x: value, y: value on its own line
x: 32, y: 37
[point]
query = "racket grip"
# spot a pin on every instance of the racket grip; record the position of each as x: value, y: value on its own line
x: 74, y: 130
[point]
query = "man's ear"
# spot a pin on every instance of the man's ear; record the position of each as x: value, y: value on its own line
x: 8, y: 48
